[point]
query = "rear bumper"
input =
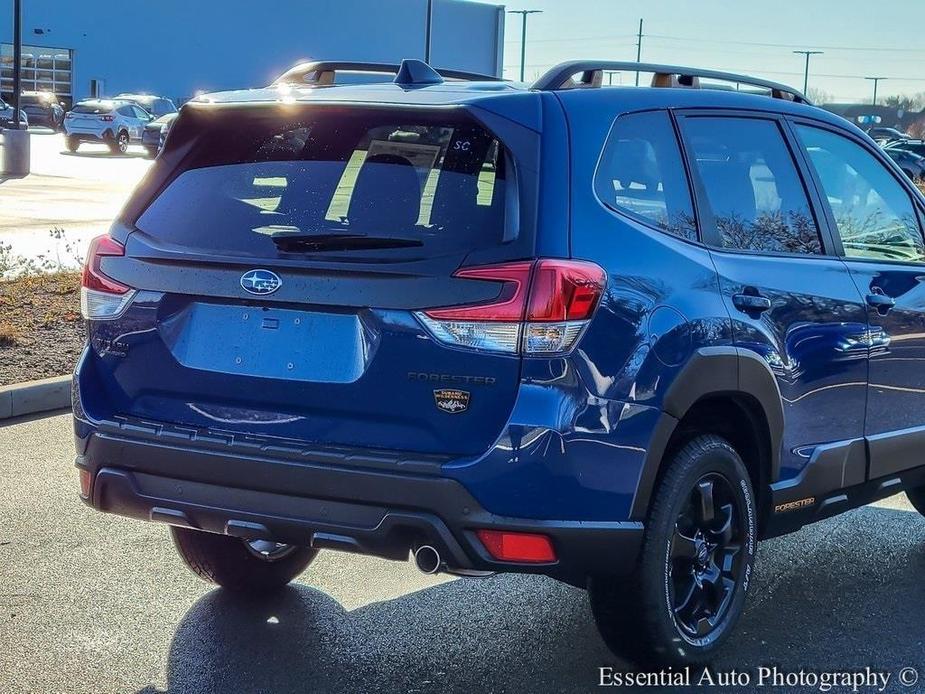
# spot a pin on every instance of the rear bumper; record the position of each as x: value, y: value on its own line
x: 255, y: 495
x: 89, y: 135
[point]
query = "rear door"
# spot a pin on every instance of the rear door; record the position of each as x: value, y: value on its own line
x: 877, y: 218
x: 139, y: 119
x: 282, y: 267
x: 791, y: 301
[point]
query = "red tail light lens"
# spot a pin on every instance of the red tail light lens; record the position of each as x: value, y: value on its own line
x: 542, y: 308
x: 565, y: 290
x: 93, y: 277
x: 524, y: 548
x: 102, y: 297
x: 510, y: 303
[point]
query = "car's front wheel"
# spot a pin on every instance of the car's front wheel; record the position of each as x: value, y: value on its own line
x: 258, y: 566
x: 695, y: 565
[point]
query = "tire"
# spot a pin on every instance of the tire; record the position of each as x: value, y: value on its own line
x: 72, y: 143
x: 643, y: 617
x: 233, y: 564
x: 119, y: 144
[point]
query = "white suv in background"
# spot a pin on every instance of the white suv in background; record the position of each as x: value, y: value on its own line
x: 113, y: 122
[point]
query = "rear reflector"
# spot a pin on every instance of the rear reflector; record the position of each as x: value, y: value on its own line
x: 542, y: 308
x: 85, y: 483
x: 101, y: 297
x: 525, y: 548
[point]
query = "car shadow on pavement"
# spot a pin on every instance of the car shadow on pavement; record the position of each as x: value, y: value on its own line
x: 842, y: 594
x: 104, y: 154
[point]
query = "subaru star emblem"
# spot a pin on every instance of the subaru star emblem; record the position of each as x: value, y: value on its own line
x: 260, y: 282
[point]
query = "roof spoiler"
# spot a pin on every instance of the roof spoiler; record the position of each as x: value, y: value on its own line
x: 590, y: 75
x: 324, y: 72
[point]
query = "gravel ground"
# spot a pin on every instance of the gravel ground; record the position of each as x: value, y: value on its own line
x: 41, y: 331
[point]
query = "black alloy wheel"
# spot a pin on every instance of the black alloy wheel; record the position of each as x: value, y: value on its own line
x: 706, y: 556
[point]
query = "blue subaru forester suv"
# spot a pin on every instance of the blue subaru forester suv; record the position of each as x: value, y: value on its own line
x: 611, y: 336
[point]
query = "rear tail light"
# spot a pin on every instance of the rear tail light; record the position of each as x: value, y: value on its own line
x: 101, y: 297
x: 524, y: 548
x: 108, y: 119
x: 543, y: 308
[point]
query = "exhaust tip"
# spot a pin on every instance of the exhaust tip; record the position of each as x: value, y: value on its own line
x: 427, y: 559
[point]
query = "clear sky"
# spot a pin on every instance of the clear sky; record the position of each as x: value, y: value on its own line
x: 860, y: 38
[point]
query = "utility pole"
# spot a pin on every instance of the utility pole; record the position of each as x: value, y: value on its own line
x: 523, y: 37
x: 427, y: 30
x: 806, y: 70
x: 639, y: 49
x: 876, y: 81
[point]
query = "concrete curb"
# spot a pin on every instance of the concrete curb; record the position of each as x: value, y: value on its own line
x: 35, y: 396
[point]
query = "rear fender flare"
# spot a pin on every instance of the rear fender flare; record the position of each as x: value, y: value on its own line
x: 712, y: 371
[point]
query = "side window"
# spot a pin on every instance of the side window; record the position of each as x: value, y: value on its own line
x: 126, y: 111
x: 873, y: 212
x: 752, y: 185
x: 140, y: 113
x: 641, y: 174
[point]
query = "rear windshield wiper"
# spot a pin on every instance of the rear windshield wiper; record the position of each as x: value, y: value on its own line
x: 306, y: 243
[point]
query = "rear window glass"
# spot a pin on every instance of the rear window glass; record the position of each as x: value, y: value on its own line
x: 437, y: 185
x: 101, y: 107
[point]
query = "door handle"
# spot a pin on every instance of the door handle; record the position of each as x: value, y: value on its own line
x: 751, y: 303
x: 880, y: 301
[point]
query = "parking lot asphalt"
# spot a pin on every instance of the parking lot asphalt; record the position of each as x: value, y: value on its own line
x: 96, y: 603
x: 78, y: 192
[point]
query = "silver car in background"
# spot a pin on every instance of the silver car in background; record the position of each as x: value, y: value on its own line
x: 6, y: 116
x: 157, y: 106
x: 112, y: 122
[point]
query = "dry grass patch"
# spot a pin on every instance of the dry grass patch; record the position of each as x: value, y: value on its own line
x: 41, y: 330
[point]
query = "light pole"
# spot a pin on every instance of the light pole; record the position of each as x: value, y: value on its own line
x: 17, y: 60
x: 639, y: 49
x: 806, y: 71
x: 876, y: 81
x: 15, y: 150
x: 427, y: 30
x: 523, y: 37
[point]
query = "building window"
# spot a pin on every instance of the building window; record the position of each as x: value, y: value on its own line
x: 43, y: 69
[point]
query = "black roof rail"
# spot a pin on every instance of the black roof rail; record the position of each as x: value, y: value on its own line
x: 591, y: 76
x: 323, y: 72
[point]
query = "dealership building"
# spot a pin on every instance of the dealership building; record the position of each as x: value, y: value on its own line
x: 178, y: 48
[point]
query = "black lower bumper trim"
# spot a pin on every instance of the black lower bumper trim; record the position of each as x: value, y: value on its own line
x: 359, y: 510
